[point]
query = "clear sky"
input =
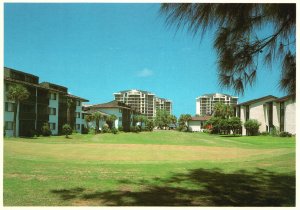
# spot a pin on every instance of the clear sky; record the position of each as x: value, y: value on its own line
x: 98, y: 49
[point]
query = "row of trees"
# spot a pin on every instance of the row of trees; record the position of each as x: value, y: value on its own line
x: 97, y: 117
x: 164, y: 119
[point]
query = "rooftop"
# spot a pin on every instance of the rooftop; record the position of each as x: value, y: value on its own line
x: 271, y: 97
x: 209, y: 95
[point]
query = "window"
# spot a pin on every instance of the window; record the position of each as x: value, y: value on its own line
x: 120, y: 118
x: 53, y: 96
x: 77, y: 114
x: 52, y: 126
x: 78, y: 103
x: 120, y: 110
x: 9, y: 125
x: 9, y: 107
x: 77, y: 126
x: 52, y: 111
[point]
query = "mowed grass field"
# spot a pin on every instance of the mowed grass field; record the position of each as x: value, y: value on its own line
x: 163, y: 168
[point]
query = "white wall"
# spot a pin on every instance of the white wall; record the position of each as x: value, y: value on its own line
x: 276, y: 115
x: 195, y: 126
x: 54, y: 118
x: 290, y: 116
x: 113, y: 111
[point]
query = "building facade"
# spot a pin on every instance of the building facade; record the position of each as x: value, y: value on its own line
x: 123, y: 112
x: 206, y: 102
x: 196, y: 124
x: 271, y: 112
x: 144, y: 102
x: 47, y: 103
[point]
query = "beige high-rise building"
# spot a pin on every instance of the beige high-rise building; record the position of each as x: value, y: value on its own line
x: 206, y: 102
x: 143, y: 101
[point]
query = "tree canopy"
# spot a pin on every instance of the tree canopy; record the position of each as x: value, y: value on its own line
x: 239, y: 41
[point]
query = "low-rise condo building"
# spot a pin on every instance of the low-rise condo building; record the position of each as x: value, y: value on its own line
x: 47, y: 103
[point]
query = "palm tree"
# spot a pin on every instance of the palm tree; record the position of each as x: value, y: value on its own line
x: 88, y: 118
x: 238, y: 45
x: 110, y: 120
x: 173, y: 119
x: 187, y: 118
x: 70, y: 103
x: 97, y: 116
x: 17, y: 93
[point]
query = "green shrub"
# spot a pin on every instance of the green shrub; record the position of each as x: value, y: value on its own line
x: 149, y: 125
x: 85, y: 130
x: 67, y: 130
x: 182, y: 128
x: 265, y: 133
x: 252, y: 127
x: 120, y: 128
x: 135, y: 129
x: 206, y: 131
x: 45, y: 130
x: 285, y: 134
x: 105, y: 129
x: 274, y: 131
x: 114, y: 130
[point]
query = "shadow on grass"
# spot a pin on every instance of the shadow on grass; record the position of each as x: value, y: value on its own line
x: 198, y: 187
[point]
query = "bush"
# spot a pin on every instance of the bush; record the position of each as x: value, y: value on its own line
x: 114, y: 130
x: 67, y: 130
x: 252, y: 127
x: 182, y: 128
x: 149, y: 125
x: 120, y: 128
x: 85, y: 130
x: 105, y: 129
x: 135, y: 129
x: 45, y: 130
x: 285, y: 134
x: 274, y: 132
x: 265, y: 133
x: 206, y: 131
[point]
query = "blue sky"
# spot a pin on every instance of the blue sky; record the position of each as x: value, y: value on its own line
x: 98, y: 49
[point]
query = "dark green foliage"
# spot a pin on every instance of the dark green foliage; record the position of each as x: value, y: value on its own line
x: 213, y: 124
x: 265, y: 133
x: 285, y: 134
x: 222, y: 110
x: 135, y: 129
x: 97, y: 116
x: 106, y: 129
x: 183, y: 122
x: 17, y: 93
x: 238, y: 39
x: 163, y: 119
x: 235, y: 124
x: 45, y: 130
x: 114, y: 130
x: 110, y: 120
x: 252, y: 127
x: 120, y: 128
x: 218, y: 125
x: 85, y: 130
x: 149, y: 125
x: 274, y: 132
x: 67, y: 130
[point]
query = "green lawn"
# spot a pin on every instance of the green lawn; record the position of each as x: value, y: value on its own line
x: 163, y: 168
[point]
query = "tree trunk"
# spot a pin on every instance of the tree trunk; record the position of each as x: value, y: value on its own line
x: 15, y: 118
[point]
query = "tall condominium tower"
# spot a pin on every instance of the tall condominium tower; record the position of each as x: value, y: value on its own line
x: 205, y: 103
x: 144, y: 102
